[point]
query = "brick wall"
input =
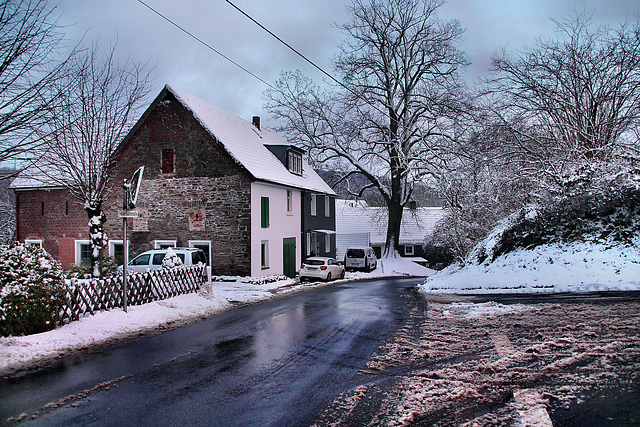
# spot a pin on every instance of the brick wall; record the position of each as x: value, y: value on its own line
x: 54, y: 217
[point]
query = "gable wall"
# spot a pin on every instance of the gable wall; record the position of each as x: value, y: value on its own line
x: 54, y: 217
x: 205, y: 176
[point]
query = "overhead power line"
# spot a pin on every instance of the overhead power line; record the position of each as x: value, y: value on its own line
x: 206, y: 44
x: 359, y: 96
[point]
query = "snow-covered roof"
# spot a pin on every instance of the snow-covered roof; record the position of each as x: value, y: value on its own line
x: 247, y: 145
x: 242, y: 140
x: 32, y: 178
x: 357, y: 218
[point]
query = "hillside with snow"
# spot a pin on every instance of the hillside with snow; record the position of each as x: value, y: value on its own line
x: 580, y: 245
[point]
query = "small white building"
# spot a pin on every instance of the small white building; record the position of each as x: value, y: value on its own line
x: 358, y: 224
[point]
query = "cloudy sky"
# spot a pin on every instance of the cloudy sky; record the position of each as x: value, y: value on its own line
x: 308, y: 25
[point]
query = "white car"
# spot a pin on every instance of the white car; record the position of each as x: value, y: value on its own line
x: 321, y: 268
x: 152, y: 260
x: 360, y: 259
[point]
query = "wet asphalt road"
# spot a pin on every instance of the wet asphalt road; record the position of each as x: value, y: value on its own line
x: 276, y: 363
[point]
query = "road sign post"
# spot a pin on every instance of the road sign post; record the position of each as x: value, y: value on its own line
x: 129, y: 200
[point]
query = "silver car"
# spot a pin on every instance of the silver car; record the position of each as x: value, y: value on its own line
x: 321, y: 268
x: 152, y: 260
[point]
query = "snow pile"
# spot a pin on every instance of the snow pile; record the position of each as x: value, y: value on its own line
x: 171, y: 259
x: 559, y: 267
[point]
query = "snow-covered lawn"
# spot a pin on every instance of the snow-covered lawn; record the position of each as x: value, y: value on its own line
x: 576, y: 267
x: 17, y: 353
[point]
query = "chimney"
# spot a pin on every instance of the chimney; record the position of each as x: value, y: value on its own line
x: 256, y: 121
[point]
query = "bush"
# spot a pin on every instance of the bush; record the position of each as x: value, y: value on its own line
x: 31, y: 290
x: 608, y: 214
x: 109, y: 268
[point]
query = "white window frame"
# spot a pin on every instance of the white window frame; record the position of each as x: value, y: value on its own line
x: 308, y: 244
x: 264, y: 261
x: 289, y: 202
x: 78, y: 252
x: 192, y: 244
x: 34, y: 242
x: 158, y: 243
x: 314, y: 205
x: 409, y: 250
x: 327, y: 242
x: 327, y: 206
x: 112, y: 244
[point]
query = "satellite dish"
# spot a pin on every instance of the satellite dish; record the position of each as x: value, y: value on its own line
x: 136, y: 180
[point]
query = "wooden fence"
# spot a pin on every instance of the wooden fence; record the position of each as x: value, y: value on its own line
x: 98, y: 295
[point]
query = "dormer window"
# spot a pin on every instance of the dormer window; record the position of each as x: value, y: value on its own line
x: 294, y: 162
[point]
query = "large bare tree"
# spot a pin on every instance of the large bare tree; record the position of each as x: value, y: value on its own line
x: 573, y: 100
x: 100, y: 101
x: 399, y: 89
x: 30, y: 46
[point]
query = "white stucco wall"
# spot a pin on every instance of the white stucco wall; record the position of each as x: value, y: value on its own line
x: 281, y: 225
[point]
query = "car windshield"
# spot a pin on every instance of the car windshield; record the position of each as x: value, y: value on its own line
x: 315, y: 262
x: 355, y: 253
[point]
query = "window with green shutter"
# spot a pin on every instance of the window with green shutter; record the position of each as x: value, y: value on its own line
x: 264, y: 212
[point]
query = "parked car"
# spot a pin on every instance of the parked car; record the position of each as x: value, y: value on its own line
x: 152, y: 260
x: 321, y: 268
x: 363, y: 258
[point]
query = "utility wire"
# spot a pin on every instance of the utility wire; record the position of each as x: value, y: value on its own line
x: 359, y: 96
x: 205, y: 44
x: 286, y: 44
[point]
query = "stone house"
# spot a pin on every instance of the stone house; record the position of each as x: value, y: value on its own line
x: 212, y: 180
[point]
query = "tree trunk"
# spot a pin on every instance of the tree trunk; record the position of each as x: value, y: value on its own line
x: 394, y: 205
x: 97, y: 237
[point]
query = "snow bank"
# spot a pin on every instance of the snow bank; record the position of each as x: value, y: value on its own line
x: 575, y: 267
x: 21, y: 352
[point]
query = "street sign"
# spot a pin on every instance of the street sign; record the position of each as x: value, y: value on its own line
x: 128, y: 214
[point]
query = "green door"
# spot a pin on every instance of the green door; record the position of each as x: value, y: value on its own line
x: 289, y: 256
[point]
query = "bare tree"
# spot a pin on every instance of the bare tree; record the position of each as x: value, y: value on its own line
x: 392, y: 110
x: 97, y: 111
x: 573, y: 100
x: 30, y: 43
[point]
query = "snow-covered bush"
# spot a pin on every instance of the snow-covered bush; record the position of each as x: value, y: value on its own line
x: 31, y: 290
x: 171, y: 260
x: 602, y: 210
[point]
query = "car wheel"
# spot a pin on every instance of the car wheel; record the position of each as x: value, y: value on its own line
x: 342, y: 275
x: 328, y: 277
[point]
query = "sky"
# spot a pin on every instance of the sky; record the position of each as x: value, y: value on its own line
x: 307, y: 25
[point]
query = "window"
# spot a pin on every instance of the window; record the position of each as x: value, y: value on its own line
x: 314, y: 205
x: 294, y: 162
x: 327, y: 243
x: 37, y: 243
x: 327, y: 206
x: 308, y: 244
x: 164, y: 244
x: 408, y: 250
x: 264, y: 254
x: 205, y: 246
x: 264, y: 212
x: 168, y: 160
x: 289, y: 202
x: 116, y: 250
x: 141, y: 260
x: 83, y: 252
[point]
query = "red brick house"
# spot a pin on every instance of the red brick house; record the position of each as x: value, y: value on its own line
x: 212, y: 180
